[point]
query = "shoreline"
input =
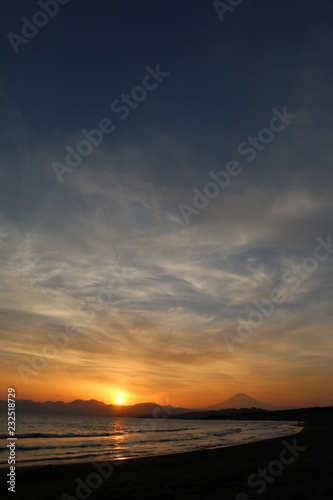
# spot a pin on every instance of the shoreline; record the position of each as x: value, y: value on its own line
x: 220, y: 473
x: 84, y: 462
x: 297, y: 426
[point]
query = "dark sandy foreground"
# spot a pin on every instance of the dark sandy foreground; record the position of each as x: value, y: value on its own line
x: 215, y: 474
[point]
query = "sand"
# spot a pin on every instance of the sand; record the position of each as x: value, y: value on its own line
x: 213, y: 474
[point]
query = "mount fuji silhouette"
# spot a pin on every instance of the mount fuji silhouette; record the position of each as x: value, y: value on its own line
x: 238, y: 401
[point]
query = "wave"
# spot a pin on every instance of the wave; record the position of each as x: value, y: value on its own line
x: 40, y: 435
x: 227, y: 432
x: 184, y: 429
x: 48, y: 447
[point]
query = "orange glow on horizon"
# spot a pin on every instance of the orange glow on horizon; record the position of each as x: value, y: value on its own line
x: 133, y: 385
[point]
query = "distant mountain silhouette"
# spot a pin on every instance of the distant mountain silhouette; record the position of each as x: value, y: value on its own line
x: 239, y: 401
x: 245, y: 414
x: 217, y: 414
x: 93, y: 408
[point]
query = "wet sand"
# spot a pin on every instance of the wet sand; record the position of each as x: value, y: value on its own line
x: 213, y: 474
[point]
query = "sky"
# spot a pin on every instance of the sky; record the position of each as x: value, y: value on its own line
x: 166, y: 201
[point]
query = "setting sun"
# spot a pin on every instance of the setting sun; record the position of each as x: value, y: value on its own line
x: 120, y: 400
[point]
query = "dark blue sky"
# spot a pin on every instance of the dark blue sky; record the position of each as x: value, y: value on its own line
x: 225, y: 77
x: 198, y: 274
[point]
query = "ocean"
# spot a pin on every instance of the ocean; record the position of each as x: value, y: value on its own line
x: 45, y: 439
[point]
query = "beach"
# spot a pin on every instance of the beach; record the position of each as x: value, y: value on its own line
x: 302, y: 469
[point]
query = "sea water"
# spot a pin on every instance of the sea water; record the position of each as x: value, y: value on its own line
x: 45, y: 439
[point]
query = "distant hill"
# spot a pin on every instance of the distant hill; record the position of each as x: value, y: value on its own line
x: 218, y: 414
x: 299, y: 414
x: 239, y: 401
x: 93, y: 408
